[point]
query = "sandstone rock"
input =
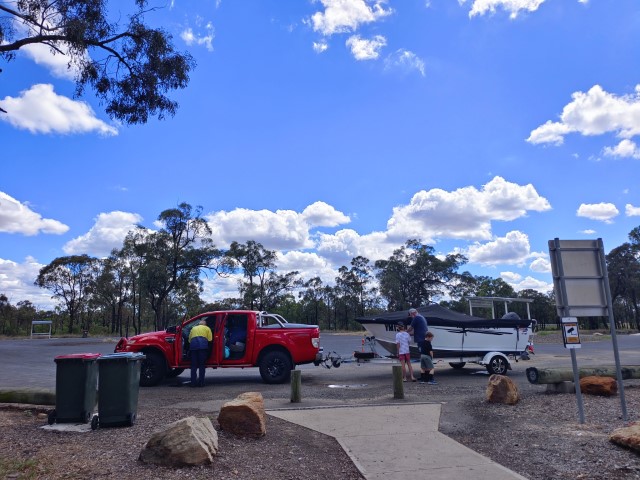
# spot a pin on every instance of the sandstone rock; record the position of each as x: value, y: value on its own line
x: 502, y: 389
x: 244, y: 415
x: 627, y: 436
x: 604, y: 386
x: 187, y: 442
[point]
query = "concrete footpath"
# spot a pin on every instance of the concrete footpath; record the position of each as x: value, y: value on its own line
x: 397, y: 442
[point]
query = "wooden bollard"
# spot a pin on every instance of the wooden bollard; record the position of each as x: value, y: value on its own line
x: 296, y: 386
x: 398, y: 387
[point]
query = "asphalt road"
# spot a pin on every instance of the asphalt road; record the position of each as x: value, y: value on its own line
x: 30, y: 362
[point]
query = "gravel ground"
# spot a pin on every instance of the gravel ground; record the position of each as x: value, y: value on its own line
x: 540, y: 437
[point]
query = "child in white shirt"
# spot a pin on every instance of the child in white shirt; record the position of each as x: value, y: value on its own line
x: 402, y: 344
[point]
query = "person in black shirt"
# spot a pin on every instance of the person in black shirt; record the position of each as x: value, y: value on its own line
x: 426, y: 361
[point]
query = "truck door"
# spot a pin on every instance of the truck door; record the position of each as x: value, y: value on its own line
x: 182, y: 344
x: 234, y: 328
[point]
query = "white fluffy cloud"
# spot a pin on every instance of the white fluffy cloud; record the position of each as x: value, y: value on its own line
x: 41, y: 110
x: 16, y: 281
x: 465, y: 213
x: 346, y: 244
x: 321, y: 214
x: 107, y: 233
x: 280, y: 230
x: 540, y: 265
x: 514, y: 7
x: 363, y: 49
x: 16, y: 217
x: 320, y: 47
x: 513, y: 248
x: 405, y: 61
x: 625, y: 149
x: 527, y: 283
x: 595, y: 113
x: 342, y: 16
x: 203, y: 39
x: 604, y: 212
x: 57, y: 64
x: 631, y: 211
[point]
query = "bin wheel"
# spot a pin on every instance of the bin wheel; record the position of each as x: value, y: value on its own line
x: 131, y: 419
x: 95, y: 423
x: 51, y: 418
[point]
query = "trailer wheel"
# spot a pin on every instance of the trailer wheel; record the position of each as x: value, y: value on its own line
x: 497, y: 365
x: 457, y: 365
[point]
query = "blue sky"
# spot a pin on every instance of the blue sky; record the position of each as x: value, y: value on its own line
x: 329, y: 129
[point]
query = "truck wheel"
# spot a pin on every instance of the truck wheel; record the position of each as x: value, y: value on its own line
x: 152, y: 369
x: 275, y: 367
x: 497, y: 365
x: 457, y: 365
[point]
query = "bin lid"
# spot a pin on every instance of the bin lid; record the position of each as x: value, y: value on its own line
x: 122, y: 356
x: 78, y: 356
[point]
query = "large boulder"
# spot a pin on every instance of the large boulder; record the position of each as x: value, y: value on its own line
x: 502, y: 389
x: 604, y: 386
x: 244, y: 415
x: 187, y: 442
x: 627, y: 436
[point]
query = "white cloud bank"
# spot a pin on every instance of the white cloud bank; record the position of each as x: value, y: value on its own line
x: 16, y: 217
x: 342, y: 16
x: 41, y: 110
x: 465, y: 213
x: 107, y: 233
x: 303, y: 244
x: 363, y: 49
x: 203, y: 39
x: 513, y: 7
x: 604, y: 212
x: 596, y: 112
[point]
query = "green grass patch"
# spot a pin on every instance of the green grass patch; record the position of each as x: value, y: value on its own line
x: 21, y: 469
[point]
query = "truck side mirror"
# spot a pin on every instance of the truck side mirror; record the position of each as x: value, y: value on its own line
x: 172, y: 329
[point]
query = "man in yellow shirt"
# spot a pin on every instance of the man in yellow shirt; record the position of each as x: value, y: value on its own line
x: 200, y: 338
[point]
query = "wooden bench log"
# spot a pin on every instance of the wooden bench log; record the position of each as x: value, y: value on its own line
x: 541, y: 376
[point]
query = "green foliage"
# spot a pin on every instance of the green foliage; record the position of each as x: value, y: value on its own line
x: 130, y: 67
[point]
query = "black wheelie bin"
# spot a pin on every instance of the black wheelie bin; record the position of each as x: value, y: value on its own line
x: 76, y: 383
x: 118, y: 386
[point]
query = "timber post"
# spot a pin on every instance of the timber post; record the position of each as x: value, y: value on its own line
x: 398, y: 387
x: 296, y: 386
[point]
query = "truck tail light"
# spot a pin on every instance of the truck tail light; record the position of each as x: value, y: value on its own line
x: 315, y: 342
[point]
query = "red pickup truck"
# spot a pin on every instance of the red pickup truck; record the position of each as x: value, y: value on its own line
x: 241, y: 338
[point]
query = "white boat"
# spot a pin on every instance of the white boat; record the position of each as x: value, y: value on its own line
x: 459, y: 338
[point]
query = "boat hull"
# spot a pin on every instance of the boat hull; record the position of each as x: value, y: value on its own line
x: 459, y: 344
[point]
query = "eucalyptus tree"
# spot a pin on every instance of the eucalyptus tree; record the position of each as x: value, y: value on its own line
x: 414, y: 275
x: 128, y: 65
x: 311, y: 298
x: 175, y: 255
x: 256, y: 262
x: 543, y: 308
x: 278, y: 288
x: 69, y: 279
x: 112, y: 288
x: 623, y: 266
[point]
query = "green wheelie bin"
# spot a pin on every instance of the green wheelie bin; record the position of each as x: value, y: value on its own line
x: 76, y: 383
x: 118, y: 386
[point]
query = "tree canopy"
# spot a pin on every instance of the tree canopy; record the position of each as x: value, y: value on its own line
x: 129, y: 67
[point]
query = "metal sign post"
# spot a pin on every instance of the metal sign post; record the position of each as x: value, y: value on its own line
x: 581, y: 285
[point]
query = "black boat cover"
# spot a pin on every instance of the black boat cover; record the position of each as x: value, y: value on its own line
x: 440, y: 316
